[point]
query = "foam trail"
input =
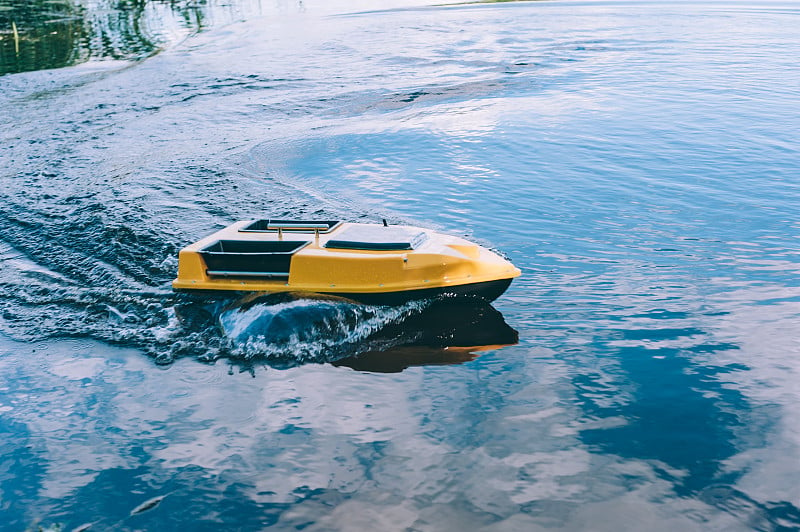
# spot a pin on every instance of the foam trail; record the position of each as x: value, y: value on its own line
x: 289, y: 329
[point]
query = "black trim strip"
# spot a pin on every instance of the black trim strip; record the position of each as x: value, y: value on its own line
x: 487, y: 291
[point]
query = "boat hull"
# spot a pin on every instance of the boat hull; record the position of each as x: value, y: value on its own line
x: 368, y: 263
x: 487, y: 291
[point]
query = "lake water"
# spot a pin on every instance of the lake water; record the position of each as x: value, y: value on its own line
x: 639, y: 161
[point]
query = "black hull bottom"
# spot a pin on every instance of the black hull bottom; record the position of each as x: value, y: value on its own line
x: 487, y: 291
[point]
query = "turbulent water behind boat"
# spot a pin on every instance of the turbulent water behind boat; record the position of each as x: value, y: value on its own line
x: 638, y: 161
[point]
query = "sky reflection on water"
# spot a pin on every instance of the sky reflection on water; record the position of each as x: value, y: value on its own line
x: 638, y: 161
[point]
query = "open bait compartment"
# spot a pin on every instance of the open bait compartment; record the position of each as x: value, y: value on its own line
x: 248, y: 258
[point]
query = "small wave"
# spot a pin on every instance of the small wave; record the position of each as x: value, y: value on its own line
x: 291, y: 329
x: 296, y: 329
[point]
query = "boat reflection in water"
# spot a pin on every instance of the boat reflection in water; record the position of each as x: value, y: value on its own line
x: 285, y: 330
x: 447, y: 332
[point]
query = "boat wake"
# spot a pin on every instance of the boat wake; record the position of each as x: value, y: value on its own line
x: 290, y: 329
x: 285, y: 330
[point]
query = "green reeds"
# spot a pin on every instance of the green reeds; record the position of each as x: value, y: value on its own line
x: 16, y: 37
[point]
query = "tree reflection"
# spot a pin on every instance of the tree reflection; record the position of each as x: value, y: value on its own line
x: 44, y: 34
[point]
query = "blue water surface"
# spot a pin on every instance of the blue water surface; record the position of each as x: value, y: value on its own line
x: 638, y: 161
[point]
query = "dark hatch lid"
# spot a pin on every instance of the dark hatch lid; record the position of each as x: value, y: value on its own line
x: 378, y: 238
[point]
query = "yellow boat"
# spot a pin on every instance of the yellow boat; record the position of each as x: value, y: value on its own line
x: 369, y: 263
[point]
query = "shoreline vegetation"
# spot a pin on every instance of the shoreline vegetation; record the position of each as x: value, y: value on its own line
x: 46, y: 34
